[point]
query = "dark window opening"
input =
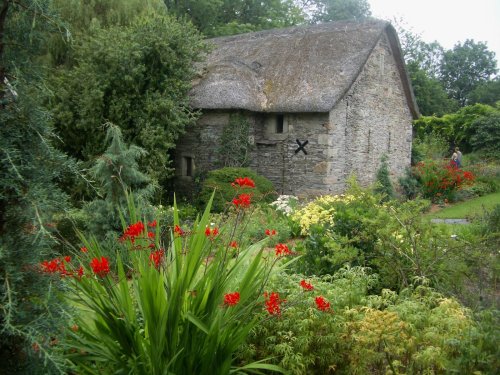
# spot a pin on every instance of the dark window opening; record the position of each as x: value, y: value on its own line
x: 279, y: 124
x: 188, y: 162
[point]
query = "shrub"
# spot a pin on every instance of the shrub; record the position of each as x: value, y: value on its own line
x: 440, y: 181
x: 185, y: 305
x: 221, y: 179
x: 418, y: 331
x: 384, y: 185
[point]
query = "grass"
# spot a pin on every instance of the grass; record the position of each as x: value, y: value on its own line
x: 467, y: 209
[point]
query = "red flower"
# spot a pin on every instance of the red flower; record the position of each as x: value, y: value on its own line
x: 306, y: 286
x: 55, y: 265
x: 322, y: 304
x: 233, y: 244
x: 156, y: 257
x: 273, y: 303
x: 152, y: 224
x: 211, y: 233
x: 178, y: 231
x: 83, y: 249
x: 231, y: 299
x: 270, y: 232
x: 133, y: 231
x: 151, y: 235
x: 282, y: 249
x: 67, y: 258
x: 100, y: 268
x: 243, y: 182
x: 242, y: 201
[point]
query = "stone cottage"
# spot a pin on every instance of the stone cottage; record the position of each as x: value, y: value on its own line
x: 320, y: 103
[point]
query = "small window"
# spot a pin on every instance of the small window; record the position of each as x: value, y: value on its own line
x: 188, y: 166
x: 279, y: 124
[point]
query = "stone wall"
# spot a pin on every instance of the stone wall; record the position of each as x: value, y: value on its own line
x: 373, y: 119
x: 272, y: 154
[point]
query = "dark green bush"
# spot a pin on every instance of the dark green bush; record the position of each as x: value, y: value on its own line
x: 220, y: 180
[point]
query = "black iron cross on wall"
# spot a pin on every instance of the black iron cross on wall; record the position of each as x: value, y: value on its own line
x: 301, y: 146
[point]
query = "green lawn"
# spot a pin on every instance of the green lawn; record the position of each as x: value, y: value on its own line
x: 467, y: 209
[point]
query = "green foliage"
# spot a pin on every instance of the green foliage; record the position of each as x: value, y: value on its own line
x: 431, y: 97
x: 409, y: 184
x: 142, y: 86
x: 227, y: 17
x: 416, y: 331
x: 338, y: 10
x: 117, y: 172
x: 486, y: 93
x: 234, y: 143
x: 169, y: 313
x: 30, y: 168
x: 221, y: 179
x: 457, y: 128
x: 486, y: 134
x: 384, y: 184
x: 465, y: 67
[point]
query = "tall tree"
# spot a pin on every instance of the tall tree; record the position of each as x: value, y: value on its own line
x: 135, y: 76
x: 423, y: 61
x: 29, y: 197
x: 465, y: 67
x: 225, y: 17
x: 338, y: 10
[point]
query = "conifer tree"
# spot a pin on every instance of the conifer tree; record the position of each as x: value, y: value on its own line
x: 117, y: 172
x: 29, y: 196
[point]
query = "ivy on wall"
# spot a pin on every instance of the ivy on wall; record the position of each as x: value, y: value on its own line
x: 234, y: 143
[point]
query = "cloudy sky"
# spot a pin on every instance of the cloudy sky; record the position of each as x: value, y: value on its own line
x: 446, y: 21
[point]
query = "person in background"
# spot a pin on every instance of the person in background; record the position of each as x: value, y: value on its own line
x: 459, y: 157
x: 454, y: 160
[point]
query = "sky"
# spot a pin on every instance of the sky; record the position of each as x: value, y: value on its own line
x: 446, y: 21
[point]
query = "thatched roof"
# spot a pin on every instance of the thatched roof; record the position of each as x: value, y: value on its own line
x: 297, y: 69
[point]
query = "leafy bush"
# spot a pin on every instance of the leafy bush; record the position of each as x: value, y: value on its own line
x: 384, y: 185
x: 440, y: 181
x: 415, y: 332
x: 221, y: 179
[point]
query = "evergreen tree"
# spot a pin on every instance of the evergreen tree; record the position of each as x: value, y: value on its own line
x: 117, y: 172
x: 384, y: 185
x: 29, y: 196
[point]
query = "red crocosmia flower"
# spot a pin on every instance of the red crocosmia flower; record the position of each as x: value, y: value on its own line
x: 67, y: 258
x: 273, y: 303
x: 152, y: 224
x: 178, y: 231
x: 306, y: 286
x: 211, y: 233
x: 100, y: 267
x: 282, y: 249
x: 151, y: 235
x: 53, y: 266
x: 243, y: 201
x: 231, y: 299
x: 243, y: 182
x: 133, y: 231
x: 270, y: 232
x: 156, y: 257
x: 233, y: 244
x: 322, y: 304
x: 83, y: 249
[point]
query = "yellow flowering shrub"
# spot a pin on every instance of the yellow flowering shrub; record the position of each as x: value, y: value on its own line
x: 319, y: 211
